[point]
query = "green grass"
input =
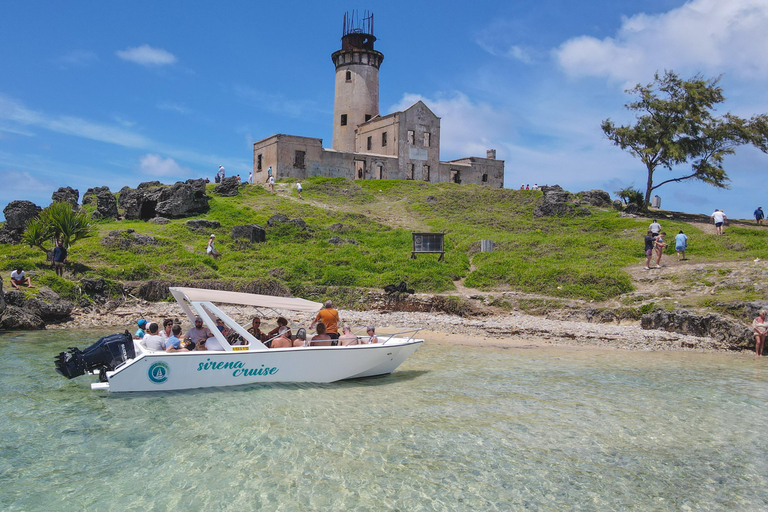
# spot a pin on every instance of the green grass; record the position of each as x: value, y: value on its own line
x: 561, y: 257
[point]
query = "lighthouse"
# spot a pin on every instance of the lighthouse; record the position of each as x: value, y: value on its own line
x: 356, y: 98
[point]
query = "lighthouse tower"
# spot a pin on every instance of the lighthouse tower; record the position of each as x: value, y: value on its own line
x: 357, y: 64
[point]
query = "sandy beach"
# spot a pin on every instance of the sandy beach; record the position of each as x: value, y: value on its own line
x: 514, y: 329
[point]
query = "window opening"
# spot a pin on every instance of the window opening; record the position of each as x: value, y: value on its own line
x: 411, y: 137
x: 258, y: 162
x: 370, y: 143
x: 367, y: 117
x: 298, y: 159
x: 343, y: 119
x: 349, y: 76
x: 426, y: 139
x: 383, y: 139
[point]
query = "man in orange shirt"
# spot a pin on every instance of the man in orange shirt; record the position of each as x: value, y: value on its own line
x: 330, y: 317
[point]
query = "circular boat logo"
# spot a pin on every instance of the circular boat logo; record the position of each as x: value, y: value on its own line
x: 158, y: 372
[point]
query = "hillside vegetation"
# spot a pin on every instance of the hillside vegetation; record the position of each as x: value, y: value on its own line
x: 583, y: 257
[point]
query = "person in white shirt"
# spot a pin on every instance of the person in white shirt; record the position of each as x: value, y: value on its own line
x: 19, y: 278
x: 298, y: 189
x: 718, y: 217
x: 655, y: 228
x: 152, y: 340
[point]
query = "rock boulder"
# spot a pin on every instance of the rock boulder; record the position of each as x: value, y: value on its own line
x: 599, y: 198
x: 229, y: 187
x: 735, y: 334
x: 251, y: 232
x: 17, y: 213
x: 66, y: 195
x: 151, y: 199
x: 106, y: 204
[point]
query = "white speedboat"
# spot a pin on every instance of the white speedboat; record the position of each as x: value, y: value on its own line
x: 123, y: 364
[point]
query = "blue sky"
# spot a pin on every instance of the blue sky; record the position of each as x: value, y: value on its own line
x: 108, y: 93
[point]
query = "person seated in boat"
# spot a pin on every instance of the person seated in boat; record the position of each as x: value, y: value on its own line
x: 222, y: 327
x: 281, y: 322
x: 347, y: 338
x: 210, y: 344
x: 371, y: 335
x: 139, y: 334
x: 167, y: 327
x: 152, y: 340
x: 255, y: 330
x: 300, y: 340
x: 198, y: 333
x: 283, y: 339
x: 322, y: 339
x: 174, y: 343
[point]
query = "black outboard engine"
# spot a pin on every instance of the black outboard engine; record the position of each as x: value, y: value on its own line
x: 105, y: 355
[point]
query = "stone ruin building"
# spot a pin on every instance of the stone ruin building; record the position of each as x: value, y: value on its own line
x: 366, y: 145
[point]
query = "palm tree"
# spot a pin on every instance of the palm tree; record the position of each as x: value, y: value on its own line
x: 56, y: 223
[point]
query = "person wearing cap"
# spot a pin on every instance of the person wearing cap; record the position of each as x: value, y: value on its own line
x: 211, y: 249
x: 140, y: 331
x: 330, y: 317
x: 199, y: 333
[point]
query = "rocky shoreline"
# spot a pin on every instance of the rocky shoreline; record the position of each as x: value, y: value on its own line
x: 487, y: 330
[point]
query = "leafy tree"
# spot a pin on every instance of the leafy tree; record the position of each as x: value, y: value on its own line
x: 57, y: 222
x: 631, y: 196
x: 676, y: 125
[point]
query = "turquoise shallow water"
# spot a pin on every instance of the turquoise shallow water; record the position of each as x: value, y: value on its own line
x: 455, y: 428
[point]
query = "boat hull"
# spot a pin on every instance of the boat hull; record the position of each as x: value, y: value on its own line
x: 160, y: 371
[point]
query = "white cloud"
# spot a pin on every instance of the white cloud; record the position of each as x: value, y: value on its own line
x: 147, y: 56
x: 155, y: 165
x: 467, y: 128
x: 710, y: 36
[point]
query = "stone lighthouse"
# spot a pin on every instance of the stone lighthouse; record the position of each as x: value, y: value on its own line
x: 357, y: 64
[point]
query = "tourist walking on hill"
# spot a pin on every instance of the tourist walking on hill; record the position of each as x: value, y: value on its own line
x: 211, y: 249
x: 718, y: 217
x: 649, y: 242
x: 759, y: 215
x: 298, y: 189
x: 271, y: 183
x: 681, y: 244
x: 250, y: 177
x: 655, y: 228
x: 760, y: 328
x: 659, y: 247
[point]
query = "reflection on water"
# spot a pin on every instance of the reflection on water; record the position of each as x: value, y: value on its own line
x: 456, y: 428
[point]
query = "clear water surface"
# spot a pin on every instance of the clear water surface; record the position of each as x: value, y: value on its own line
x: 455, y: 428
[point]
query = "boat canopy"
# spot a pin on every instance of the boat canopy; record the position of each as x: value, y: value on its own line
x: 247, y: 299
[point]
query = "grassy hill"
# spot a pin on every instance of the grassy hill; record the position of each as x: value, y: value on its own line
x: 584, y: 257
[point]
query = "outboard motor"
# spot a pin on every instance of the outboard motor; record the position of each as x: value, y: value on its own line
x: 105, y: 355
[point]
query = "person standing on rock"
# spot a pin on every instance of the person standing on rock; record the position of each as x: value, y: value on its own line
x: 681, y: 244
x: 718, y: 217
x: 759, y: 215
x: 760, y: 328
x: 650, y: 240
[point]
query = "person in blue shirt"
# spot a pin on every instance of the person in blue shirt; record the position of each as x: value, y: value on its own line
x: 59, y: 257
x: 681, y: 244
x: 140, y: 331
x: 759, y: 215
x: 174, y: 343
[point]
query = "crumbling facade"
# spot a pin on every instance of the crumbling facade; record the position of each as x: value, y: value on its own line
x: 402, y: 145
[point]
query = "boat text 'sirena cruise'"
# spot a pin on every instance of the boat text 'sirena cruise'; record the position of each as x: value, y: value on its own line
x: 124, y: 364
